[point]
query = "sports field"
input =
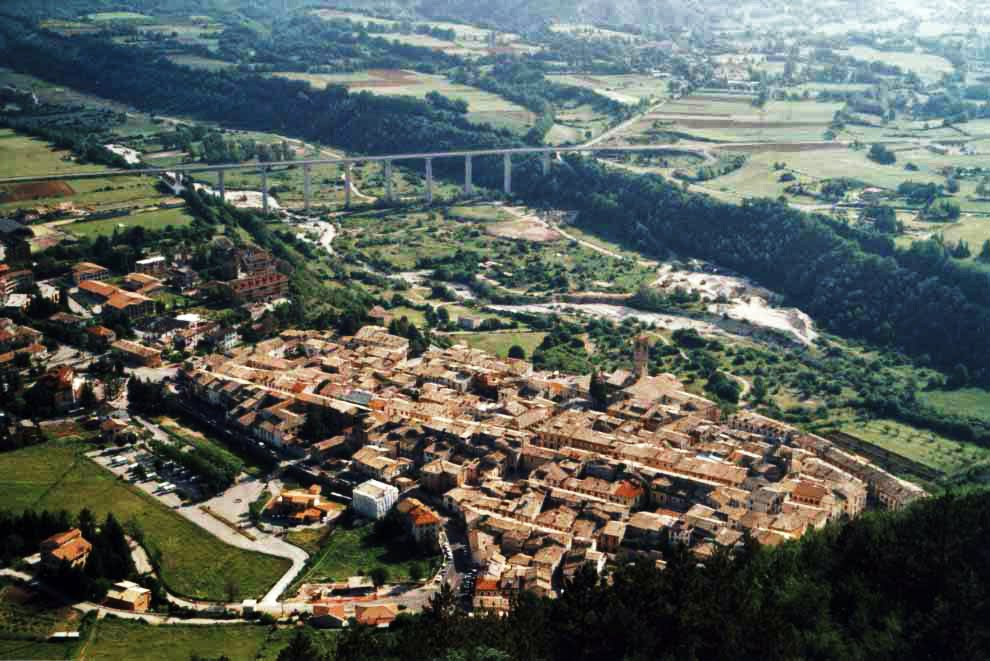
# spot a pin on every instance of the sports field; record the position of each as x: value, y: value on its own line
x: 56, y: 475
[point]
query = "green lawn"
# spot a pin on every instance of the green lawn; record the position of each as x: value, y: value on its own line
x: 352, y: 551
x: 151, y: 220
x: 499, y: 343
x: 193, y: 562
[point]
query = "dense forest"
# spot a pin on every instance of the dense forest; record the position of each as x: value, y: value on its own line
x: 910, y: 585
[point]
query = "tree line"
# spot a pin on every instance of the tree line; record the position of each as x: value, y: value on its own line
x: 907, y: 585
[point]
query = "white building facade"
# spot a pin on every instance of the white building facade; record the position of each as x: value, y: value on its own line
x: 374, y: 499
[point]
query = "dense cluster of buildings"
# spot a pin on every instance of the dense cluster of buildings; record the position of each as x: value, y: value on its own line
x: 543, y: 483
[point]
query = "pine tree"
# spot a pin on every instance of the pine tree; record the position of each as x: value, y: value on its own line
x: 985, y: 252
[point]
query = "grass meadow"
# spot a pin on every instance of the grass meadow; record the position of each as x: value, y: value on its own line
x: 194, y: 563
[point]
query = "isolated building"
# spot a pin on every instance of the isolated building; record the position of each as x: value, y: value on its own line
x: 69, y: 546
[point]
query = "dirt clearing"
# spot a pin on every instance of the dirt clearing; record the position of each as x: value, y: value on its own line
x: 36, y: 191
x: 525, y: 229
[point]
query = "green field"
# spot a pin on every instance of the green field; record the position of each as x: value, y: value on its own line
x: 353, y: 551
x: 500, y: 343
x: 23, y: 156
x: 117, y: 16
x: 199, y: 62
x: 27, y: 619
x: 120, y: 639
x: 928, y: 67
x: 150, y: 220
x: 469, y: 41
x: 189, y: 432
x: 972, y: 402
x: 624, y: 88
x: 115, y: 639
x: 483, y: 107
x: 925, y: 447
x: 193, y: 562
x: 23, y: 650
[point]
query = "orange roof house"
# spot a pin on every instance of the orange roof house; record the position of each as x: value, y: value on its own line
x: 377, y: 615
x: 69, y: 546
x: 304, y: 506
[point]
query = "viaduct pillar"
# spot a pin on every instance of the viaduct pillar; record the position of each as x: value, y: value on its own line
x: 545, y: 157
x: 429, y: 181
x: 507, y: 166
x: 264, y: 191
x: 307, y: 186
x: 388, y: 181
x: 347, y: 185
x: 223, y: 197
x: 468, y: 184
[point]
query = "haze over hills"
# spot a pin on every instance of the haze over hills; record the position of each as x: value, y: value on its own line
x: 649, y: 15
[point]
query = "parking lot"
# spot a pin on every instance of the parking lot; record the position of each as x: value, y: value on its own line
x: 164, y: 480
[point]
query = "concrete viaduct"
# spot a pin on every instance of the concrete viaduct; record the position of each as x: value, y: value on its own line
x: 545, y: 153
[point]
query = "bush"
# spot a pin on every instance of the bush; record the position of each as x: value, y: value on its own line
x: 880, y: 154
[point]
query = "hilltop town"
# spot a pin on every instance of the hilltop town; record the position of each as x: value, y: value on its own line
x: 541, y: 481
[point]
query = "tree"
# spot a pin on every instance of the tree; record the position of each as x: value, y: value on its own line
x: 87, y: 397
x: 959, y: 377
x: 442, y: 606
x: 985, y: 252
x: 301, y: 648
x: 517, y: 352
x: 379, y: 576
x: 759, y: 391
x: 232, y: 588
x: 880, y: 154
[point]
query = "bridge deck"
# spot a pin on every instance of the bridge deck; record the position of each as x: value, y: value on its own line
x: 186, y: 169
